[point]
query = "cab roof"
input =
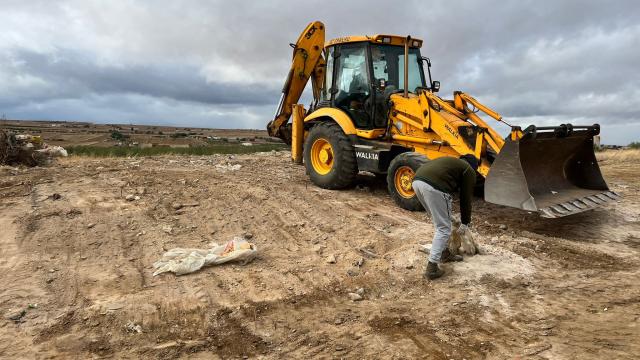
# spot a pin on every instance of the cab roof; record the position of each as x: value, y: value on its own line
x: 377, y: 39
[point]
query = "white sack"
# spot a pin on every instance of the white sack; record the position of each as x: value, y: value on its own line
x: 182, y: 261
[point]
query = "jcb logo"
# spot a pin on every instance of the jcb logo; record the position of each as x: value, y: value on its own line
x: 310, y: 32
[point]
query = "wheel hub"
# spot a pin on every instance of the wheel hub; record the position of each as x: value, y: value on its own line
x: 322, y: 156
x: 403, y: 181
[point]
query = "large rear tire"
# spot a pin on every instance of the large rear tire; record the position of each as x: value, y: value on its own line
x: 399, y: 178
x: 329, y: 156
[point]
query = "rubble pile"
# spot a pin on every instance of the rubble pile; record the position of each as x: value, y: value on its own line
x: 29, y: 150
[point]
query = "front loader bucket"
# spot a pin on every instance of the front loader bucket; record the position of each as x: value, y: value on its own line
x: 552, y: 172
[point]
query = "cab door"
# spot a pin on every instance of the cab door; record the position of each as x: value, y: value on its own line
x: 352, y: 84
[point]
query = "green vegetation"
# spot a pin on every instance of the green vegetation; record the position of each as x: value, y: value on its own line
x: 117, y: 135
x: 635, y: 145
x: 164, y: 150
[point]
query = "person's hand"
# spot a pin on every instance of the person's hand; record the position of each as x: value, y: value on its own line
x: 463, y: 228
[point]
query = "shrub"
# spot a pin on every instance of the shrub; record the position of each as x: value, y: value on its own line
x: 117, y: 135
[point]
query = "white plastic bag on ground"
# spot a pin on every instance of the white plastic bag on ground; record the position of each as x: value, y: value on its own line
x: 462, y: 242
x: 182, y: 261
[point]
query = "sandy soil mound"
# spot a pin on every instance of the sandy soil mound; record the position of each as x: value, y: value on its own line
x: 79, y: 239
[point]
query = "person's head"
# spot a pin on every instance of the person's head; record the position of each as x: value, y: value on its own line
x: 376, y: 54
x: 471, y: 160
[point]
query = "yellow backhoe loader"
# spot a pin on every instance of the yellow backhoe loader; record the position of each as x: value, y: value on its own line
x: 374, y: 109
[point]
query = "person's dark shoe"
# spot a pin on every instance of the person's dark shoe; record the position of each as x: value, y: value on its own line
x: 448, y: 257
x: 433, y: 271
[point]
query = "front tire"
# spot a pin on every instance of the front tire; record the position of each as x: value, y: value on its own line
x: 329, y: 156
x: 400, y: 175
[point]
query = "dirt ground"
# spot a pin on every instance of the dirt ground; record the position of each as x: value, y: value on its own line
x: 70, y: 133
x: 76, y: 260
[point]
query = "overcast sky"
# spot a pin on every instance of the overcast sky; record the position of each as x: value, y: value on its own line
x: 222, y: 63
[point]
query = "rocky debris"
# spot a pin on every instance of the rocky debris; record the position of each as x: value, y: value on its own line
x: 535, y: 349
x: 224, y: 167
x: 132, y: 327
x: 503, y: 227
x: 132, y: 197
x: 91, y: 225
x: 357, y: 295
x: 331, y: 259
x: 178, y: 206
x: 318, y: 249
x: 368, y: 253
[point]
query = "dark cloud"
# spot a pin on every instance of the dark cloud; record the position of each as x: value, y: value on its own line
x: 219, y: 63
x: 69, y: 74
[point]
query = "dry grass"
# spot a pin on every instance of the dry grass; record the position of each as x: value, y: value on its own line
x: 618, y: 155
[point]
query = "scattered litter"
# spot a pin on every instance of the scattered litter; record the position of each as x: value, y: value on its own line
x: 133, y: 327
x: 132, y: 197
x: 182, y: 261
x: 331, y: 259
x: 354, y: 296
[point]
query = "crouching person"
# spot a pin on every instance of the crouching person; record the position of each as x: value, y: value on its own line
x: 434, y: 184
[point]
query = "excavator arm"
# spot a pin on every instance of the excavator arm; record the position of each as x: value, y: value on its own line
x: 307, y: 63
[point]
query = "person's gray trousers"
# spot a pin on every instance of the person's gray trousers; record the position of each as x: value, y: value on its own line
x: 439, y: 205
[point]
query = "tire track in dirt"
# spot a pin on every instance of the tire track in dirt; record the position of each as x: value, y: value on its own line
x: 16, y: 294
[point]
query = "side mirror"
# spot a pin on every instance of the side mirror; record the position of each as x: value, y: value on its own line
x: 427, y: 60
x: 435, y: 86
x: 382, y: 83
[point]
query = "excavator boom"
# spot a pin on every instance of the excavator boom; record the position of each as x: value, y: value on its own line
x: 307, y: 63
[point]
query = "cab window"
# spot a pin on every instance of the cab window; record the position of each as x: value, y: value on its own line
x: 352, y: 83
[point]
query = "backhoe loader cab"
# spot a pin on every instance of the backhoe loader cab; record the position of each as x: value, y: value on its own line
x: 375, y: 110
x: 361, y: 74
